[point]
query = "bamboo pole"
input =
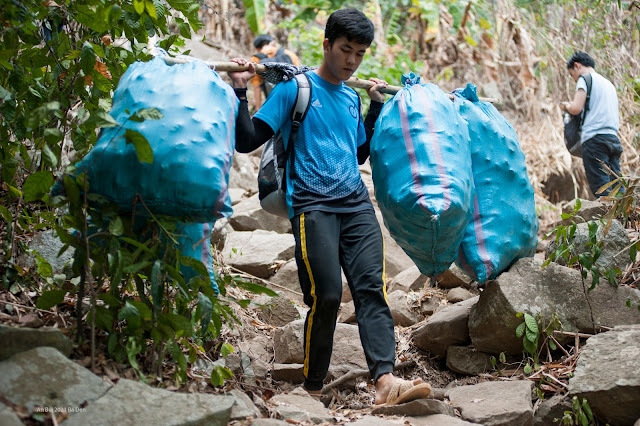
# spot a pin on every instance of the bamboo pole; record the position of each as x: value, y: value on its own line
x: 354, y: 82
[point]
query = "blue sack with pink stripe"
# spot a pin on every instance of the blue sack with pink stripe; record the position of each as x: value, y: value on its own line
x: 504, y: 227
x: 421, y: 169
x: 192, y: 144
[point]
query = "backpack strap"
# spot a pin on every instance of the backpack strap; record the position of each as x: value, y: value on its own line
x: 298, y: 113
x: 260, y: 55
x: 587, y: 79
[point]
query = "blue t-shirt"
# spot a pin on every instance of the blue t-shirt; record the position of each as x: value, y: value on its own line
x: 325, y: 174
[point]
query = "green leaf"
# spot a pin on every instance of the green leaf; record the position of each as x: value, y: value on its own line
x: 44, y: 268
x: 136, y: 267
x: 141, y: 144
x: 552, y: 345
x: 219, y: 374
x: 531, y: 336
x: 502, y: 357
x: 226, y: 349
x: 528, y: 369
x: 255, y: 15
x: 255, y: 288
x: 50, y: 298
x: 110, y: 300
x: 587, y: 409
x: 520, y: 330
x: 49, y: 157
x: 151, y: 9
x: 531, y: 323
x: 87, y: 58
x: 104, y: 318
x: 52, y: 135
x: 529, y: 346
x: 114, y: 14
x: 145, y: 312
x: 146, y: 114
x: 115, y: 226
x: 103, y: 119
x: 6, y: 214
x: 180, y: 323
x: 138, y: 5
x: 37, y: 185
x: 130, y: 314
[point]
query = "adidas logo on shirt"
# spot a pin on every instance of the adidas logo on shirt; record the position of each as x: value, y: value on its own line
x: 317, y: 103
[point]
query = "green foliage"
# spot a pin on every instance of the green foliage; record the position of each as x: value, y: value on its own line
x: 580, y: 414
x: 567, y: 251
x: 255, y: 13
x: 59, y: 66
x: 531, y: 330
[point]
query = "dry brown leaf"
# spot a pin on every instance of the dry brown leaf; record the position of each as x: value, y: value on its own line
x: 102, y: 69
x: 106, y: 39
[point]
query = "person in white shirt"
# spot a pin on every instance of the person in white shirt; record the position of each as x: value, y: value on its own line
x: 599, y: 138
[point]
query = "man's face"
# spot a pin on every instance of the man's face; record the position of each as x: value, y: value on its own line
x: 574, y: 72
x: 343, y: 57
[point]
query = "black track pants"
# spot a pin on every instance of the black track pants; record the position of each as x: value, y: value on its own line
x: 325, y: 242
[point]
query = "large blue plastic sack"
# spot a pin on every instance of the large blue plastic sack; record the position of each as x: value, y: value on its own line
x: 421, y: 170
x: 504, y: 226
x: 193, y: 143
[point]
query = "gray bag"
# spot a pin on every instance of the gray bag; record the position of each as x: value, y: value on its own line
x: 273, y: 163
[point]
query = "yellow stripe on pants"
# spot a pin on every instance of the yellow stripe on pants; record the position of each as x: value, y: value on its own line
x: 384, y: 271
x: 303, y: 245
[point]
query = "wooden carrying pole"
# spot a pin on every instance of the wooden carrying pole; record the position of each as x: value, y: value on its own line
x: 354, y: 82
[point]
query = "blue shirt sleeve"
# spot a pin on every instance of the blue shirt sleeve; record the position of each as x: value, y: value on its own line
x: 276, y: 110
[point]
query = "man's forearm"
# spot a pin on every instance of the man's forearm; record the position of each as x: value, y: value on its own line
x: 369, y: 127
x: 250, y: 133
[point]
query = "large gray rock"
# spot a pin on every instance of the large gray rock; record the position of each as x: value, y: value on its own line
x: 608, y: 375
x: 298, y: 406
x: 43, y: 377
x: 495, y: 403
x: 347, y: 349
x: 248, y: 215
x: 17, y: 339
x: 287, y: 277
x: 410, y: 279
x: 292, y: 373
x: 437, y: 420
x: 614, y: 251
x: 48, y: 245
x: 589, y: 210
x: 551, y: 410
x: 243, y: 407
x: 277, y: 311
x: 400, y: 311
x: 8, y: 417
x: 467, y: 360
x: 459, y: 294
x: 134, y: 403
x: 554, y: 290
x: 445, y: 328
x: 419, y: 407
x: 453, y: 277
x: 396, y: 260
x: 242, y: 173
x: 256, y: 252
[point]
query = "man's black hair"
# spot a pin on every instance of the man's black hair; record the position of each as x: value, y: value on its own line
x: 581, y: 58
x: 349, y: 23
x: 262, y: 40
